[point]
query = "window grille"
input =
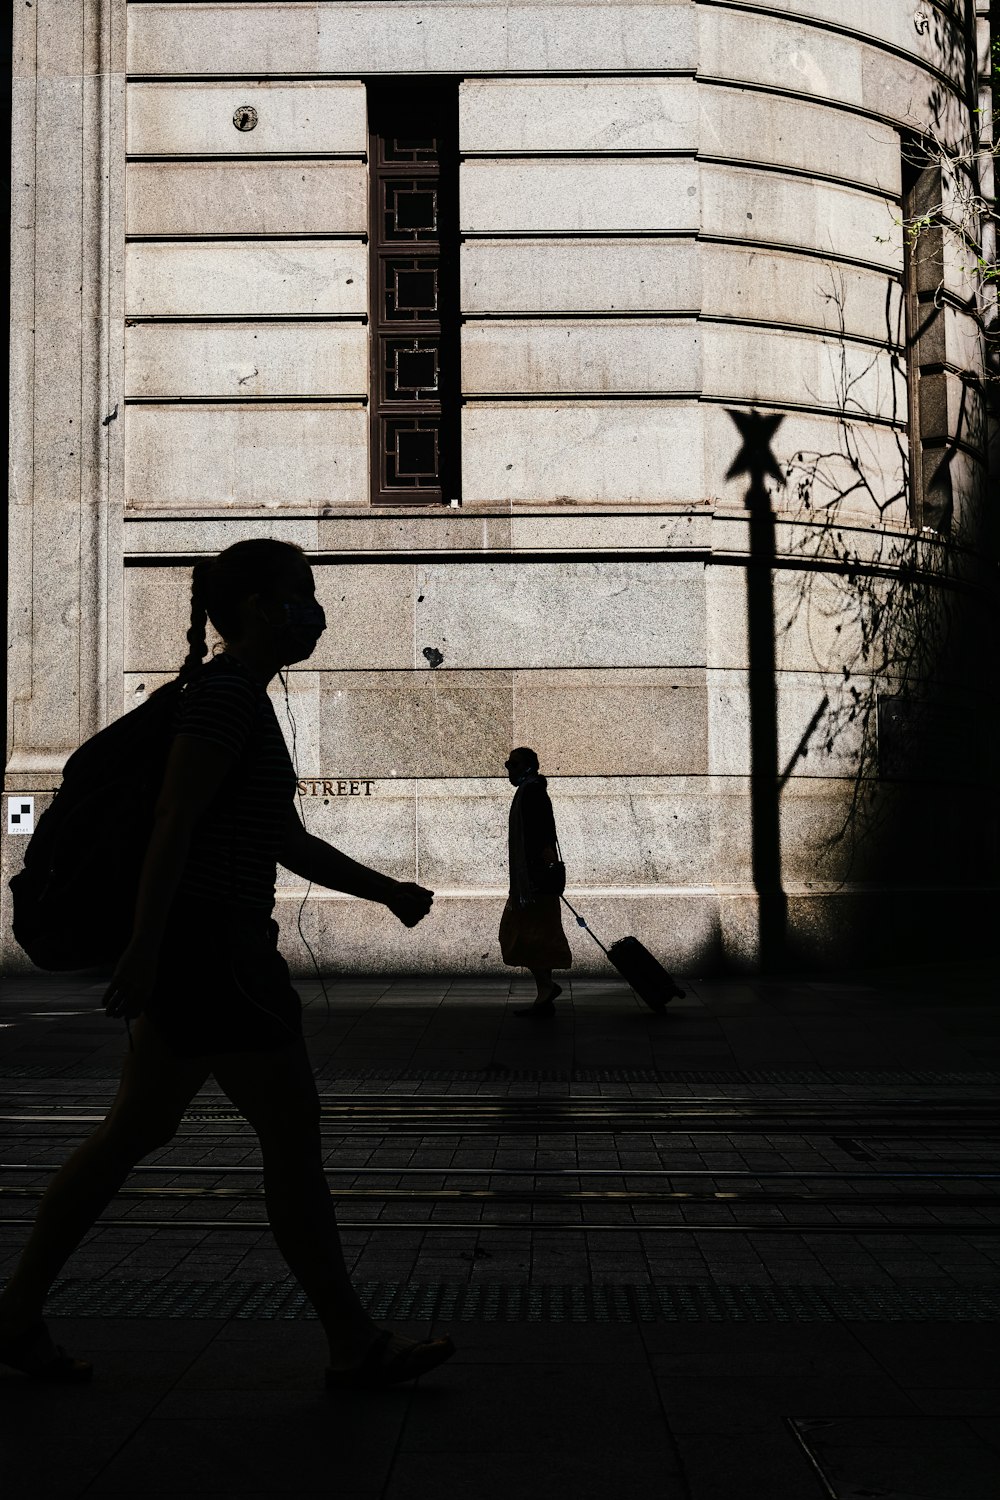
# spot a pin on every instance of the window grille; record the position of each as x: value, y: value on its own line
x: 415, y: 387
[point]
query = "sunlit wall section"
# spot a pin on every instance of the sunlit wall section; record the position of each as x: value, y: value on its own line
x: 716, y: 544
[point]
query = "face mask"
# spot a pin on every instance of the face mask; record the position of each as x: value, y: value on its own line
x: 306, y: 622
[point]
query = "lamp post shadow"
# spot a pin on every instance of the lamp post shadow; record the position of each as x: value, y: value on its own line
x: 756, y: 459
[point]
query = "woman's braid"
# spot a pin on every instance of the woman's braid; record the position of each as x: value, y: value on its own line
x: 196, y: 635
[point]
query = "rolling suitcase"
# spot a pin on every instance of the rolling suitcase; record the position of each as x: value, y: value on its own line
x: 638, y: 968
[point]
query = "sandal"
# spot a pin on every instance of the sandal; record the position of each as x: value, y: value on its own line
x: 378, y: 1368
x: 33, y: 1353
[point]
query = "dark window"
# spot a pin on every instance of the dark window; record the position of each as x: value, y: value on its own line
x: 926, y: 380
x: 415, y: 386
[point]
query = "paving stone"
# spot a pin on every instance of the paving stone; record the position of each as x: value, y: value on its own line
x: 721, y: 1465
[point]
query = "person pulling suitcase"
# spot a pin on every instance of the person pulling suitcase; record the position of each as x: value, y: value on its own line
x: 531, y: 932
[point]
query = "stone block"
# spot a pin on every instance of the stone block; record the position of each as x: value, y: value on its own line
x: 775, y: 366
x: 956, y: 491
x: 24, y: 39
x: 299, y: 713
x: 246, y: 359
x: 951, y: 407
x: 377, y: 830
x: 834, y: 466
x: 54, y: 698
x: 58, y: 197
x: 279, y: 456
x: 561, y: 614
x: 632, y: 531
x: 950, y: 268
x: 803, y: 747
x: 639, y: 832
x: 740, y: 203
x: 763, y: 286
x: 137, y: 686
x: 356, y: 937
x: 911, y: 94
x: 824, y: 620
x: 369, y: 609
x: 194, y: 535
x: 769, y: 50
x: 293, y: 277
x: 883, y: 22
x: 949, y: 335
x: 415, y: 723
x: 821, y: 839
x: 740, y: 47
x: 531, y: 195
x: 604, y: 356
x: 462, y: 833
x: 577, y: 114
x: 623, y: 722
x: 60, y: 50
x: 196, y: 119
x: 642, y: 832
x: 22, y: 188
x: 746, y: 125
x: 246, y: 197
x: 579, y: 275
x: 157, y: 616
x: 820, y: 833
x: 355, y: 39
x: 582, y: 452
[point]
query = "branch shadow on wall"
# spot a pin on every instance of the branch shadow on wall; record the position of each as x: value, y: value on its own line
x: 890, y: 712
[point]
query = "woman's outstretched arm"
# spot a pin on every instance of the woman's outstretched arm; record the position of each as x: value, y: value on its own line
x: 314, y: 859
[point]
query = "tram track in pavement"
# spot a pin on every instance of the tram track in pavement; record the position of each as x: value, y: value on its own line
x: 430, y: 1115
x: 875, y: 1200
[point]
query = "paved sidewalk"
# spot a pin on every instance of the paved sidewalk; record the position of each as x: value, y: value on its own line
x: 750, y: 1357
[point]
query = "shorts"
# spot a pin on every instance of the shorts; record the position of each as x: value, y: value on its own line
x: 221, y: 983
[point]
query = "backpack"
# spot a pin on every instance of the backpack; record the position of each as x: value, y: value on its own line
x: 74, y: 900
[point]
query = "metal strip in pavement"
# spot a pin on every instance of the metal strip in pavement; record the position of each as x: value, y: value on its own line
x: 226, y: 1169
x: 748, y: 1227
x: 109, y: 1069
x: 498, y: 1302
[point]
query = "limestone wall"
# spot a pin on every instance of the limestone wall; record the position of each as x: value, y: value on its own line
x: 667, y: 211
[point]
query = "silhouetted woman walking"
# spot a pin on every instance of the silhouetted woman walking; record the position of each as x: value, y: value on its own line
x: 205, y: 983
x: 531, y: 931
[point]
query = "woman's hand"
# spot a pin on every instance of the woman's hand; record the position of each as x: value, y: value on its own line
x: 409, y: 902
x: 132, y: 982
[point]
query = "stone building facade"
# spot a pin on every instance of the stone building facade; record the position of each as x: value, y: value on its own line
x: 619, y: 365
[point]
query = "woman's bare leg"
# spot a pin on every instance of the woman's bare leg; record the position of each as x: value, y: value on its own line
x: 155, y: 1089
x: 543, y: 984
x: 276, y: 1092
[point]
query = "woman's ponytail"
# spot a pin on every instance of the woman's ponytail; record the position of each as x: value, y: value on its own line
x: 196, y: 635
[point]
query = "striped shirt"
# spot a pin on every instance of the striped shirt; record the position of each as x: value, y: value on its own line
x: 234, y: 849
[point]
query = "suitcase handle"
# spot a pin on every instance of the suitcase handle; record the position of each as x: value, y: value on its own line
x: 582, y: 922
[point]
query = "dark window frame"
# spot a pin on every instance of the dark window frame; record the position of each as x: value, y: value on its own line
x: 427, y: 110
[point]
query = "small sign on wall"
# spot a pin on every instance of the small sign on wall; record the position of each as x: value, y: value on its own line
x: 320, y: 786
x: 20, y: 814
